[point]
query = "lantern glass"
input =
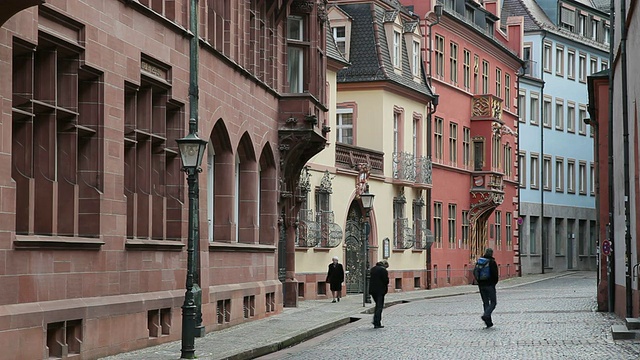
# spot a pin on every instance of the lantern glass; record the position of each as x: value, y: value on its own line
x: 191, y: 150
x: 367, y: 200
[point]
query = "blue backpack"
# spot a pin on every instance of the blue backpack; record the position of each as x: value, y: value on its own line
x: 482, y: 271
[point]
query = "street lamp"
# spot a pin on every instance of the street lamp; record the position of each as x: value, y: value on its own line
x: 367, y: 204
x: 191, y: 152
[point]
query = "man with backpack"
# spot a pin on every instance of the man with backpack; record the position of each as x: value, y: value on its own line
x: 486, y: 275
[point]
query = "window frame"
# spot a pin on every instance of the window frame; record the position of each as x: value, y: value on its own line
x: 534, y: 173
x: 559, y: 174
x: 340, y: 126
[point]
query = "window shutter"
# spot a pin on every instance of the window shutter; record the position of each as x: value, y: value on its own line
x: 568, y: 16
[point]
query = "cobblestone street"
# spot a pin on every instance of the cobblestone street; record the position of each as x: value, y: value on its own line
x: 553, y: 319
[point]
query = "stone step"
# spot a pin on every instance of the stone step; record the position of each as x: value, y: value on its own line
x: 620, y: 332
x: 633, y: 323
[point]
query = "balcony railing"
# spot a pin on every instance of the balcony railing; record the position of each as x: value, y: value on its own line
x: 308, y: 229
x: 317, y: 231
x: 420, y: 233
x: 330, y: 233
x: 403, y: 236
x: 404, y: 166
x: 348, y: 156
x: 424, y: 170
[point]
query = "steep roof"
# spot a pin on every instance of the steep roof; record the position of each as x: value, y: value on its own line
x: 369, y: 52
x: 535, y: 19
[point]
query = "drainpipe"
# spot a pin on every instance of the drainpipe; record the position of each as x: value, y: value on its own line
x: 625, y: 136
x: 193, y: 129
x: 610, y: 234
x: 430, y: 111
x: 541, y: 159
x: 520, y: 74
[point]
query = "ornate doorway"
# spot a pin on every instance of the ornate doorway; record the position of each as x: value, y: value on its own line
x: 354, y: 260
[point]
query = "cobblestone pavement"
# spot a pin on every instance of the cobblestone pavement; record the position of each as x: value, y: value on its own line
x: 552, y: 319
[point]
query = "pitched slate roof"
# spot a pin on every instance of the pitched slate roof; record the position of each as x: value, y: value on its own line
x: 369, y: 52
x: 535, y: 19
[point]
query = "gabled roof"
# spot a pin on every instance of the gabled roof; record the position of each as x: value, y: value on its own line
x: 535, y: 19
x: 369, y: 53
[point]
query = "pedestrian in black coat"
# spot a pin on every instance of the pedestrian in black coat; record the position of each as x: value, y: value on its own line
x: 488, y: 289
x: 378, y: 284
x: 335, y: 278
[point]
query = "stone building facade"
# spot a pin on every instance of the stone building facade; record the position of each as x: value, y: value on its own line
x: 93, y: 224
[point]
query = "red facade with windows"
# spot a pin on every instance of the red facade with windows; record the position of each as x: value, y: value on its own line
x: 472, y: 64
x: 93, y: 225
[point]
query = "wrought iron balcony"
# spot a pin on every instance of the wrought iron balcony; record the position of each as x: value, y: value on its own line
x: 403, y: 236
x: 404, y: 166
x: 307, y: 230
x: 424, y: 170
x: 348, y: 156
x: 420, y: 233
x: 407, y: 168
x: 330, y: 233
x: 319, y: 230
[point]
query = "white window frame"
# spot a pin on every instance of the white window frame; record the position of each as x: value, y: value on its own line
x: 582, y: 67
x: 397, y: 49
x: 571, y: 117
x: 534, y: 173
x: 559, y: 115
x: 559, y: 175
x: 571, y: 64
x: 547, y: 57
x: 416, y: 58
x: 559, y: 60
x: 340, y: 126
x: 340, y: 39
x: 571, y: 176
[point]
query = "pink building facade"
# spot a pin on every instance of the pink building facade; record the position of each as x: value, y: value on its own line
x: 473, y: 62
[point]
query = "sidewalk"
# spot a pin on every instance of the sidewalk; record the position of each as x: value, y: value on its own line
x: 294, y: 325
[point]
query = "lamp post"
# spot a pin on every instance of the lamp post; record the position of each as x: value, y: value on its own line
x: 367, y: 204
x: 191, y: 152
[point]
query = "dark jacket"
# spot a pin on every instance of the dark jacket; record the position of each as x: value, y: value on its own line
x: 379, y: 280
x: 335, y: 274
x: 493, y: 270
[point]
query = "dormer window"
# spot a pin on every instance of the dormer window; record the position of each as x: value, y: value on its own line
x: 582, y: 25
x: 339, y: 35
x: 397, y: 49
x: 469, y: 14
x: 489, y: 28
x: 415, y: 63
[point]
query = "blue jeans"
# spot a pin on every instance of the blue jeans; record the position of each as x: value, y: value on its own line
x: 488, y: 294
x: 377, y: 314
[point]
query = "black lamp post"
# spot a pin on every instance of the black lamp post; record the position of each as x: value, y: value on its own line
x: 367, y: 204
x: 191, y: 151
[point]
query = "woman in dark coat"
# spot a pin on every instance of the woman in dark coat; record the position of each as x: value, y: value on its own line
x: 335, y: 278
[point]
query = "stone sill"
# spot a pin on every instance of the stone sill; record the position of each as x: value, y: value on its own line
x: 38, y: 242
x: 157, y: 245
x: 240, y: 247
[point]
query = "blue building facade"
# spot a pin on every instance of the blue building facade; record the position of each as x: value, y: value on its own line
x: 565, y: 41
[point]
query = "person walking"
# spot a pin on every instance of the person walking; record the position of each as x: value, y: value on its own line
x: 378, y: 284
x: 486, y: 274
x: 335, y: 278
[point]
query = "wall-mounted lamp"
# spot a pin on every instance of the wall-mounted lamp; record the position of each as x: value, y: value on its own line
x: 437, y: 9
